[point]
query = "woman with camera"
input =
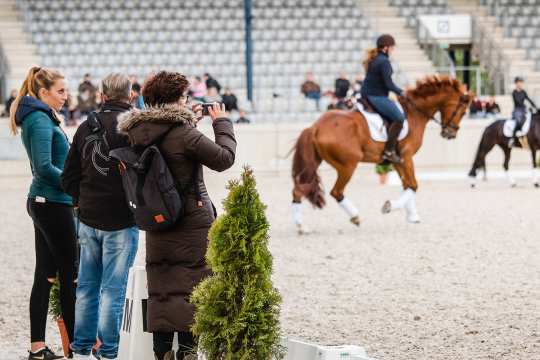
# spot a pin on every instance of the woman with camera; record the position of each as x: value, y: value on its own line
x: 175, y: 258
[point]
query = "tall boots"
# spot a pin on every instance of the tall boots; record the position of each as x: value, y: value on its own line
x: 390, y: 148
x: 168, y: 356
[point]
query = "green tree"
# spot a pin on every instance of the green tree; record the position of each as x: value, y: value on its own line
x: 237, y: 308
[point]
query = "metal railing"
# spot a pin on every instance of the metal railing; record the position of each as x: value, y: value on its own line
x: 433, y: 49
x: 491, y: 56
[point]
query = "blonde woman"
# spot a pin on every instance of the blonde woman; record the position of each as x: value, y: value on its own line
x: 41, y: 96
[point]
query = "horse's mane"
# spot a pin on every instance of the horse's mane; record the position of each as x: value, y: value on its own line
x: 431, y: 85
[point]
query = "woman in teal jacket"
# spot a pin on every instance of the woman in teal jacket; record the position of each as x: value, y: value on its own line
x: 42, y: 95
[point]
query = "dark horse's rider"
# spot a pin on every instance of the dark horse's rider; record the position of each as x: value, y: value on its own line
x: 519, y: 95
x: 377, y: 84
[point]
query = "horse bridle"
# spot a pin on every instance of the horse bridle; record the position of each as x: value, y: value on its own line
x: 463, y: 100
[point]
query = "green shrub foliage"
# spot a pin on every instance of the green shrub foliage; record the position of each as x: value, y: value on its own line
x: 54, y: 300
x: 237, y: 309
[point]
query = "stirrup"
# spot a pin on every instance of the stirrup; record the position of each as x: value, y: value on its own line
x: 392, y: 156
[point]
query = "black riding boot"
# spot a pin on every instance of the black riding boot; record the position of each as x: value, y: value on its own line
x: 390, y: 148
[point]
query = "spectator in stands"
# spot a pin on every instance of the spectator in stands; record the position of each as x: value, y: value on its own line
x: 12, y: 96
x: 519, y: 95
x: 175, y: 257
x: 229, y: 100
x: 211, y: 82
x: 476, y: 109
x: 242, y: 119
x: 65, y: 110
x: 198, y: 89
x: 333, y: 103
x: 491, y: 106
x: 107, y: 232
x: 86, y: 99
x: 357, y: 85
x: 212, y: 96
x: 311, y: 89
x: 42, y: 95
x: 137, y: 100
x: 342, y: 86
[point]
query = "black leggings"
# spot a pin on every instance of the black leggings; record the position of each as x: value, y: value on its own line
x: 56, y: 252
x: 163, y: 343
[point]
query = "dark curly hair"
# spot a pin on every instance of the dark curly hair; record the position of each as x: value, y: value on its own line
x: 165, y: 87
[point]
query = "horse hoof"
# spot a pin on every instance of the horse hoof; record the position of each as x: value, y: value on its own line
x: 513, y: 185
x: 355, y: 220
x: 537, y: 185
x: 302, y: 230
x: 387, y: 207
x: 414, y: 219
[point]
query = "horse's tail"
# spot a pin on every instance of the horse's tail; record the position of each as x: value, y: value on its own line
x: 483, y: 148
x: 306, y: 161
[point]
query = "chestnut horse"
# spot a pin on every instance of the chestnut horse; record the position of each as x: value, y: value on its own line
x: 342, y: 139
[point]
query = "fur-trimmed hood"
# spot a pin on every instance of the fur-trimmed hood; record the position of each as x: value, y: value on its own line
x: 162, y: 115
x: 145, y: 126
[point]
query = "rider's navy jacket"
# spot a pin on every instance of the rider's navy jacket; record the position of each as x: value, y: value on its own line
x: 378, y: 81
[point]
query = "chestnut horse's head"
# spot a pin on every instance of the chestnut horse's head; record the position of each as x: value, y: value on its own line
x: 450, y: 98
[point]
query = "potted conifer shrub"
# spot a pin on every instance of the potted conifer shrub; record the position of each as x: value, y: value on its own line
x: 237, y: 308
x: 56, y: 312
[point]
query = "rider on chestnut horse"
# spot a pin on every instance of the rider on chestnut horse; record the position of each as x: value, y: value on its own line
x: 375, y: 88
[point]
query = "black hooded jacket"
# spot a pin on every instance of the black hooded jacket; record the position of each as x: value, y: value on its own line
x: 93, y: 180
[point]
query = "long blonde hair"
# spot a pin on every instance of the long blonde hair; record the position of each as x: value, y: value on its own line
x: 38, y: 78
x: 370, y: 55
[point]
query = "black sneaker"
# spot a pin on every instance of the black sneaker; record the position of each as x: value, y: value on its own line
x: 44, y: 354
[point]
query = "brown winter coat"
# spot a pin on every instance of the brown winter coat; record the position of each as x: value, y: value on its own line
x: 175, y: 258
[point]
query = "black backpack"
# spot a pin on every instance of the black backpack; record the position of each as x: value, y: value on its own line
x: 153, y: 195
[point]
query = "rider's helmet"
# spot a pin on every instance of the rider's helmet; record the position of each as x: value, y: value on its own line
x: 518, y: 79
x: 385, y: 40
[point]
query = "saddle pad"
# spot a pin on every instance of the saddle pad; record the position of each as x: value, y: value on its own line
x: 510, y: 124
x: 376, y: 126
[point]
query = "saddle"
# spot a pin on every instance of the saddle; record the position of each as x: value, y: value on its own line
x: 378, y: 126
x: 510, y: 124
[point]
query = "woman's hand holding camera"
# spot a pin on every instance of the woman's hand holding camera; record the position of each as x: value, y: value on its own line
x: 217, y: 111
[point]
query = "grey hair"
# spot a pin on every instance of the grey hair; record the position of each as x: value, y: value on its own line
x: 116, y: 86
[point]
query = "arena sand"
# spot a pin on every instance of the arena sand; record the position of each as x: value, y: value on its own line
x: 463, y: 284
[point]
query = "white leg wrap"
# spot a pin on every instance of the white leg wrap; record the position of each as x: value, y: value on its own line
x: 536, y: 175
x: 297, y: 213
x: 412, y: 213
x: 472, y: 181
x: 403, y: 199
x: 510, y: 178
x: 349, y: 208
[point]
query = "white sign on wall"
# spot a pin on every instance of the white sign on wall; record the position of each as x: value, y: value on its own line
x: 453, y: 29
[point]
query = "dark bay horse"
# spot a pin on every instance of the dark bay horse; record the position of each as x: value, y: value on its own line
x: 493, y: 135
x: 342, y: 139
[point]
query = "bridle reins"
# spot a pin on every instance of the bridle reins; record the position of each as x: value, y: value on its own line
x: 463, y: 100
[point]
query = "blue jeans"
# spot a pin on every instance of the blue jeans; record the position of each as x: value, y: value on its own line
x: 105, y: 259
x: 386, y: 108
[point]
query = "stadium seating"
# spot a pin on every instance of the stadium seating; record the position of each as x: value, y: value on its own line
x: 521, y: 20
x: 411, y: 9
x: 290, y: 38
x: 139, y: 36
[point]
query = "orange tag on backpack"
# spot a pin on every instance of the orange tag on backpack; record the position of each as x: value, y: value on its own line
x: 159, y: 218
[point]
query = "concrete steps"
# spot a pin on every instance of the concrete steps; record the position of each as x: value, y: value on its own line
x: 519, y: 65
x: 411, y: 60
x: 21, y: 53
